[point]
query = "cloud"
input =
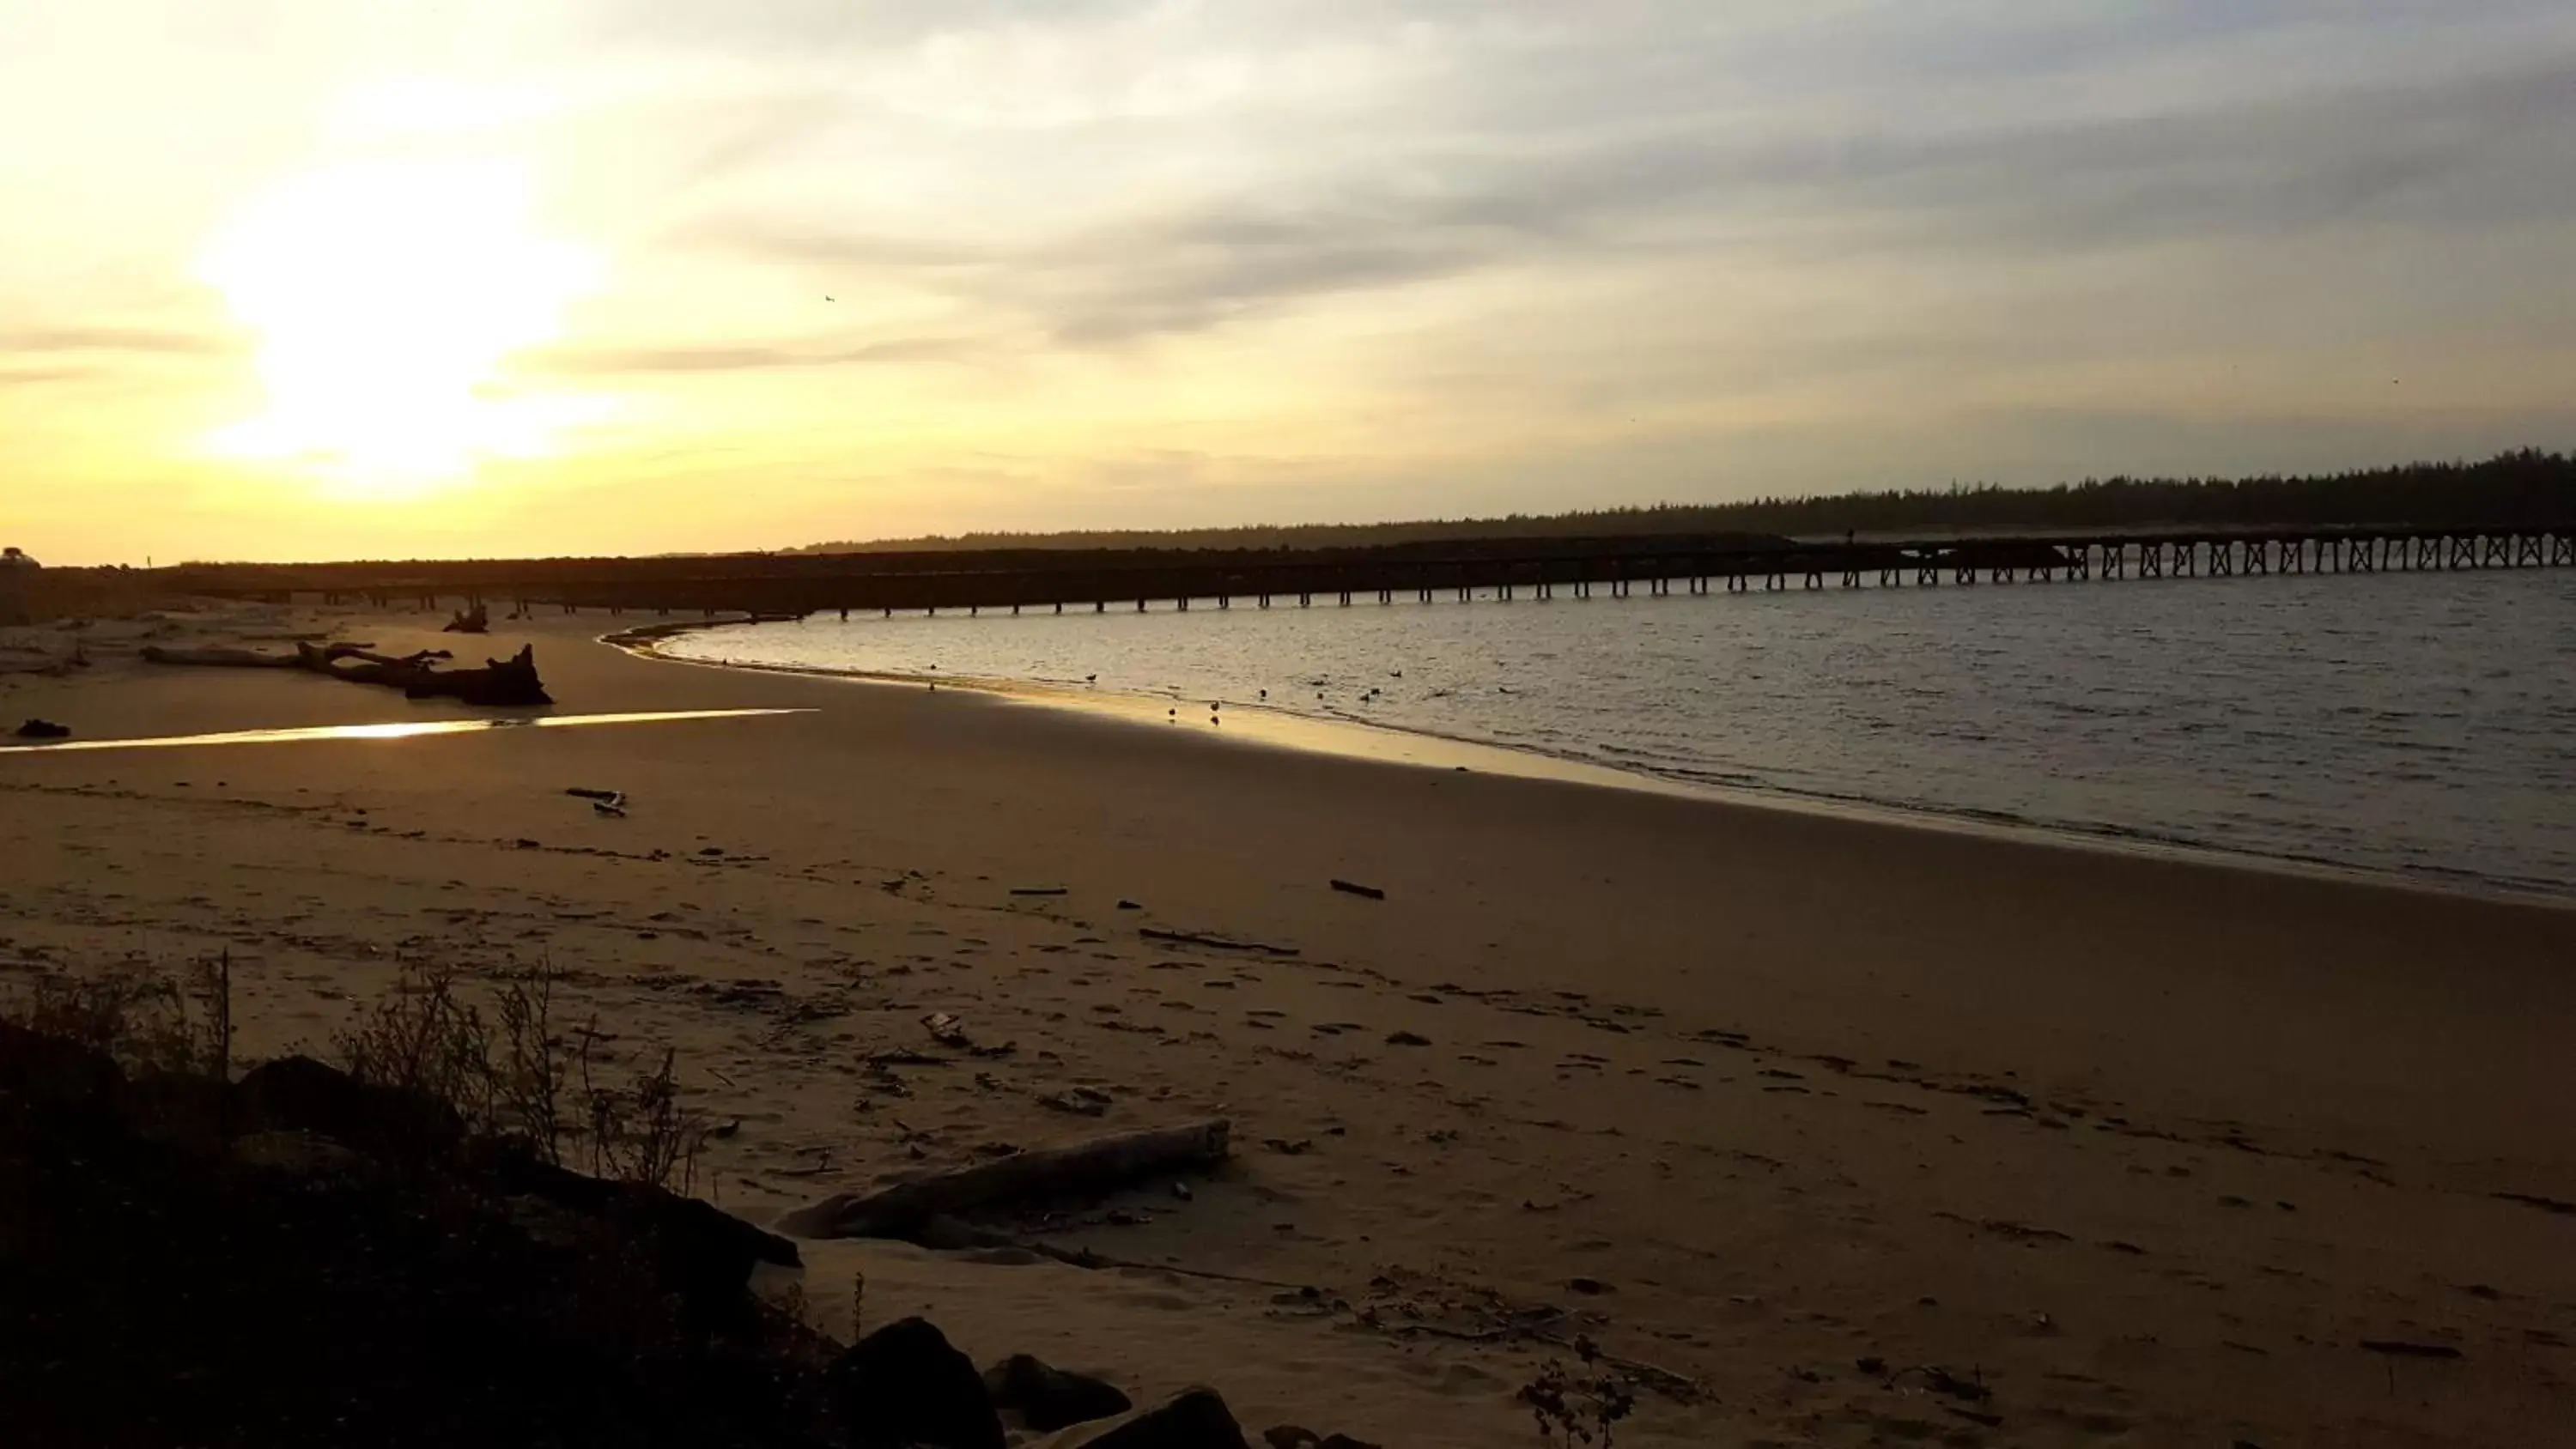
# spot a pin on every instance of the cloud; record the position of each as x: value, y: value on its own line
x: 139, y: 340
x: 2479, y: 151
x: 39, y: 376
x: 756, y: 357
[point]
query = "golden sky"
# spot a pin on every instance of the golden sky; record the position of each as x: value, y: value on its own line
x: 330, y: 278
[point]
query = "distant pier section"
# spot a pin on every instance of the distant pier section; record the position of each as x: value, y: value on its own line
x: 1067, y: 580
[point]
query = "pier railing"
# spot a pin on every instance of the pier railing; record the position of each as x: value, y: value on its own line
x: 800, y: 585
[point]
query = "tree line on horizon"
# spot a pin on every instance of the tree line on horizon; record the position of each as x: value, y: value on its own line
x: 2524, y: 486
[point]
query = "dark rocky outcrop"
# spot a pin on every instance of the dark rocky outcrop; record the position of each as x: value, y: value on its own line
x: 1195, y: 1418
x: 1048, y: 1398
x: 40, y: 1073
x: 906, y: 1385
x: 174, y: 1271
x: 299, y: 1259
x: 299, y: 1094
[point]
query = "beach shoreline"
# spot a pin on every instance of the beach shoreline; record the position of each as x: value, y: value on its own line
x: 1371, y: 740
x: 2152, y: 1147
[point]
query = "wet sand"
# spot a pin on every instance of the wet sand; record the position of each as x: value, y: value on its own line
x: 2154, y: 1146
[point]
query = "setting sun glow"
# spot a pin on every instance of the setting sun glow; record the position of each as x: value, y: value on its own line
x: 386, y: 298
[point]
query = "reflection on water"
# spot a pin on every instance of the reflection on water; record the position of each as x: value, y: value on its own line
x: 403, y: 730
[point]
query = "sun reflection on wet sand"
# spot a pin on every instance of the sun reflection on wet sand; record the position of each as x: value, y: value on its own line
x: 400, y: 730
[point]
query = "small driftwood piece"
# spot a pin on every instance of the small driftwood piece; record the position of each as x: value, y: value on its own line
x: 1214, y: 943
x: 498, y: 682
x: 2400, y: 1348
x: 1085, y: 1169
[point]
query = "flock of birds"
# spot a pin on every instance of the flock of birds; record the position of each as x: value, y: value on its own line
x: 1216, y: 707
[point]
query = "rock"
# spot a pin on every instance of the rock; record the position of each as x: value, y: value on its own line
x: 698, y: 1251
x: 299, y: 1094
x: 1048, y: 1398
x: 1191, y: 1419
x: 1407, y: 1038
x: 44, y: 729
x: 49, y: 1072
x: 905, y: 1385
x: 1291, y: 1436
x: 1344, y: 1441
x: 295, y: 1154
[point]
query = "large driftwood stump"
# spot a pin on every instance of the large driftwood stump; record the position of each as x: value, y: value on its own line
x: 509, y: 681
x: 1085, y: 1169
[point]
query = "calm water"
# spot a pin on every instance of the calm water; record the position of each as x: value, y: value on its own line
x: 2415, y: 724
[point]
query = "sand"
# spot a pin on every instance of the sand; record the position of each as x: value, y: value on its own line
x: 2151, y: 1147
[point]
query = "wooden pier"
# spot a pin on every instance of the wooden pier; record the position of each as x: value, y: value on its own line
x: 800, y: 585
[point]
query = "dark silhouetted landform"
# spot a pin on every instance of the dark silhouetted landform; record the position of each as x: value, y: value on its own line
x: 2513, y: 511
x: 2517, y: 487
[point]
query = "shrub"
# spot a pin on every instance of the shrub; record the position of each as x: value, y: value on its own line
x: 146, y: 1017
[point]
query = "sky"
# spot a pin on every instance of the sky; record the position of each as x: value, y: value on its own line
x: 334, y: 278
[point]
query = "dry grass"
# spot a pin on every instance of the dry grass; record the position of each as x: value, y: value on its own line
x: 146, y: 1017
x: 425, y: 1038
x: 509, y: 1073
x: 491, y: 1054
x: 641, y: 1132
x: 1583, y: 1406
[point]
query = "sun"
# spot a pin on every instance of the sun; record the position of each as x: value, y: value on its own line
x: 386, y: 297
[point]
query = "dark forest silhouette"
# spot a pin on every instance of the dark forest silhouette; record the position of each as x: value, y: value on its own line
x: 2517, y: 487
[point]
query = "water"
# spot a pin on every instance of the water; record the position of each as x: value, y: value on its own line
x: 2416, y: 724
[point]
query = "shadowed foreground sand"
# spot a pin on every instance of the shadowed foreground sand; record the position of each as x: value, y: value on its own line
x: 2153, y: 1148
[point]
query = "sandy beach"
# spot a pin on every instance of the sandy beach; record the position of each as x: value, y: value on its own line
x: 1783, y: 1106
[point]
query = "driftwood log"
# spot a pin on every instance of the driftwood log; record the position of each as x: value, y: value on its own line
x: 498, y: 682
x: 1085, y: 1169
